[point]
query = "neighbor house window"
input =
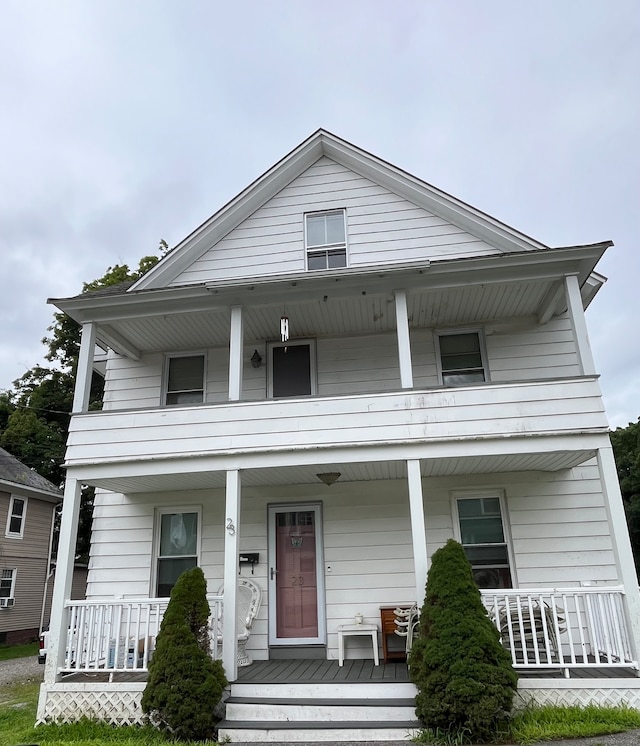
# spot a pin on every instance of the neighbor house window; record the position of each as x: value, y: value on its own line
x: 292, y: 368
x: 16, y: 517
x: 325, y: 239
x: 185, y: 379
x: 482, y: 536
x: 7, y: 583
x: 462, y: 359
x: 178, y: 545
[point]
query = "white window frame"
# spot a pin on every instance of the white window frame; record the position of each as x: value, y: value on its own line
x: 471, y: 494
x: 313, y: 368
x: 16, y: 534
x: 457, y: 332
x: 325, y: 248
x: 165, y: 376
x: 155, y: 554
x: 14, y: 575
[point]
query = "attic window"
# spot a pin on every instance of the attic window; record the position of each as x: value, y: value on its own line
x: 325, y: 237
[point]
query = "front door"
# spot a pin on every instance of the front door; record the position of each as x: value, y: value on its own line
x: 296, y: 578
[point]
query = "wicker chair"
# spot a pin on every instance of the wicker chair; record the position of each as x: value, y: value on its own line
x: 249, y: 600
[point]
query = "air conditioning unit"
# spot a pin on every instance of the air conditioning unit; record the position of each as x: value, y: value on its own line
x: 5, y: 603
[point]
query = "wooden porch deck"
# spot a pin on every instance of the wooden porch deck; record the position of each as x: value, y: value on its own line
x: 302, y: 671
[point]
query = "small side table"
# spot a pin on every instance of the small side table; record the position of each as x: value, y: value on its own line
x: 345, y: 630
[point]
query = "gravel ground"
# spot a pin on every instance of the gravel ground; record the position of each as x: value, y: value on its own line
x: 20, y: 669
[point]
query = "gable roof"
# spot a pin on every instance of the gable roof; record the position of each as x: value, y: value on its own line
x: 319, y: 144
x: 16, y: 475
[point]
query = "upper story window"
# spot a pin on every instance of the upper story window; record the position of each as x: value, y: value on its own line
x: 483, y: 538
x: 325, y: 238
x: 16, y: 517
x: 292, y: 368
x: 462, y: 359
x: 185, y: 379
x: 177, y: 547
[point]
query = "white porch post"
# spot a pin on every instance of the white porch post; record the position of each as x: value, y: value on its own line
x: 235, y: 354
x: 404, y: 344
x: 85, y: 368
x: 579, y: 325
x: 418, y: 528
x: 64, y: 576
x: 621, y: 543
x: 232, y: 530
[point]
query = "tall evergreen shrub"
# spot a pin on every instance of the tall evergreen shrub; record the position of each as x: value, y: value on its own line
x: 185, y: 684
x: 464, y: 676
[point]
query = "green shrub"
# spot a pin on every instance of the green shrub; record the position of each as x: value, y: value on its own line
x: 185, y: 684
x: 463, y: 674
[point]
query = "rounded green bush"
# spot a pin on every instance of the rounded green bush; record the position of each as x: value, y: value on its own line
x: 464, y: 676
x: 185, y: 684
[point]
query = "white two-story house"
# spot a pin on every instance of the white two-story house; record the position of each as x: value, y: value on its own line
x: 338, y: 371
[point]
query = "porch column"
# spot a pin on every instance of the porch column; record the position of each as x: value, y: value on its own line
x: 579, y: 325
x: 235, y: 354
x: 418, y: 528
x: 64, y: 576
x: 231, y: 536
x: 621, y: 543
x: 404, y: 344
x: 85, y: 368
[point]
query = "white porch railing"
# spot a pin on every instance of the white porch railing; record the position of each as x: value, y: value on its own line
x: 112, y: 635
x: 562, y: 627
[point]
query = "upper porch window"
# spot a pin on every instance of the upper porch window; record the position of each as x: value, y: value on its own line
x: 325, y: 238
x: 292, y: 368
x: 462, y: 360
x: 185, y: 379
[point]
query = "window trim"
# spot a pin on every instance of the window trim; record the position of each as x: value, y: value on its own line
x: 457, y: 332
x: 326, y: 247
x: 16, y: 534
x: 470, y: 494
x: 155, y: 549
x: 165, y: 376
x: 14, y: 575
x: 313, y: 367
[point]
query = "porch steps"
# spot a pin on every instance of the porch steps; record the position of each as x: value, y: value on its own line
x: 295, y: 713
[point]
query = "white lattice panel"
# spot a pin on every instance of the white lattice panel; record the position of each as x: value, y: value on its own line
x: 114, y: 705
x: 583, y: 697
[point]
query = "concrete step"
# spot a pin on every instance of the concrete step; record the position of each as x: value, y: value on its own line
x: 321, y: 710
x: 305, y: 732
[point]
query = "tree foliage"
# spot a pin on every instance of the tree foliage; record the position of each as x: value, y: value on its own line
x: 35, y: 414
x: 626, y: 449
x: 185, y: 684
x: 464, y: 676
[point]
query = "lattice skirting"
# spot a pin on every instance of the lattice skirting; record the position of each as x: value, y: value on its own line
x: 118, y: 704
x: 581, y: 692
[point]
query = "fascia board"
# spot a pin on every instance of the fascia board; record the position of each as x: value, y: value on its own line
x: 21, y: 490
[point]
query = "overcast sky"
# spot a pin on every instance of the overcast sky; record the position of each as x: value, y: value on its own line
x: 129, y: 121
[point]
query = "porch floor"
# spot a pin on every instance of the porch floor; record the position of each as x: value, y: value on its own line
x: 312, y: 671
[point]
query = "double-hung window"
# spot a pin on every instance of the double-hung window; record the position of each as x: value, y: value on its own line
x: 483, y: 538
x: 461, y: 358
x: 184, y: 377
x: 178, y: 546
x: 325, y: 238
x: 16, y: 517
x: 7, y: 583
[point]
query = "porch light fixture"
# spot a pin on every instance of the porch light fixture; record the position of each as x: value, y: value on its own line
x: 256, y: 359
x: 329, y: 477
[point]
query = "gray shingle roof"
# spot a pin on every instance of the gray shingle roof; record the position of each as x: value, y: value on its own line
x: 12, y: 470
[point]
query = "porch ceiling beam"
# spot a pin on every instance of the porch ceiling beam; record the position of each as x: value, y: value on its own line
x: 118, y: 343
x: 550, y: 302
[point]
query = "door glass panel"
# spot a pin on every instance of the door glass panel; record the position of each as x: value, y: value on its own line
x: 296, y: 579
x: 291, y: 370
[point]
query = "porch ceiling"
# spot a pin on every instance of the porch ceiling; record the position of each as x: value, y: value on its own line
x: 349, y: 472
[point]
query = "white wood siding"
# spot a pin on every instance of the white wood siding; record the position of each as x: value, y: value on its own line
x: 557, y: 522
x: 382, y: 228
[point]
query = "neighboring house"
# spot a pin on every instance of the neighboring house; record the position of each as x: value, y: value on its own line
x: 27, y: 511
x: 340, y: 370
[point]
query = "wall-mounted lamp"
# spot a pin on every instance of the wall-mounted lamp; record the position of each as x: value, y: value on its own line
x: 329, y: 477
x: 256, y: 359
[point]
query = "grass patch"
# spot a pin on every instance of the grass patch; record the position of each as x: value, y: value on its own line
x: 8, y: 652
x: 548, y: 723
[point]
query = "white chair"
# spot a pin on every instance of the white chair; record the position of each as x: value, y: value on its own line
x: 407, y: 622
x: 249, y: 600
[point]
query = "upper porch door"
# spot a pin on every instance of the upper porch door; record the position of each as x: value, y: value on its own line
x: 296, y: 579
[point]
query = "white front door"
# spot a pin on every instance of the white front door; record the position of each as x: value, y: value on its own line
x: 296, y: 577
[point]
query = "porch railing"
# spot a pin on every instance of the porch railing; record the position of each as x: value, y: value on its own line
x: 562, y: 627
x: 112, y: 635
